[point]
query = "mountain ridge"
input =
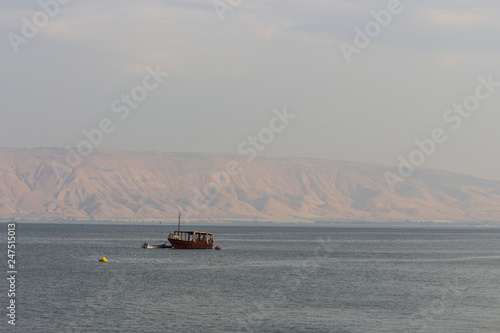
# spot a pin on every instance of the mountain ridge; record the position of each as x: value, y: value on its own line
x: 153, y: 185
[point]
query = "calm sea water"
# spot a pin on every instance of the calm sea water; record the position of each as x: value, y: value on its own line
x: 265, y: 279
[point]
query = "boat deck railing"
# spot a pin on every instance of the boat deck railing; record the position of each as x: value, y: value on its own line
x: 192, y: 235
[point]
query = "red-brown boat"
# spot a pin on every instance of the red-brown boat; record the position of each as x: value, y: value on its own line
x: 191, y: 239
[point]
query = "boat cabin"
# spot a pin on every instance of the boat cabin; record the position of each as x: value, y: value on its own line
x: 192, y: 236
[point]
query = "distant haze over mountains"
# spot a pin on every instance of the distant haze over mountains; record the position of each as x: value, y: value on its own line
x: 156, y: 186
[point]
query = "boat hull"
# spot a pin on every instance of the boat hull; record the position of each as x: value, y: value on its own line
x: 189, y: 244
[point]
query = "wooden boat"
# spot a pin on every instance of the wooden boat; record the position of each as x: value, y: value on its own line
x: 191, y: 239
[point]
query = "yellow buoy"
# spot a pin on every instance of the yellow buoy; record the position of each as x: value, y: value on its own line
x: 103, y: 259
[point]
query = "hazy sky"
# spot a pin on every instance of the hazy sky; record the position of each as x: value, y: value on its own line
x: 226, y: 77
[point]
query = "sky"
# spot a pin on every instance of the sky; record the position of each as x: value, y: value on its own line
x: 352, y: 80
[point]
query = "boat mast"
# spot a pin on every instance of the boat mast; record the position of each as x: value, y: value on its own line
x: 179, y: 224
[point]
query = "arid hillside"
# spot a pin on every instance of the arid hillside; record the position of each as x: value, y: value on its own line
x: 149, y: 185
